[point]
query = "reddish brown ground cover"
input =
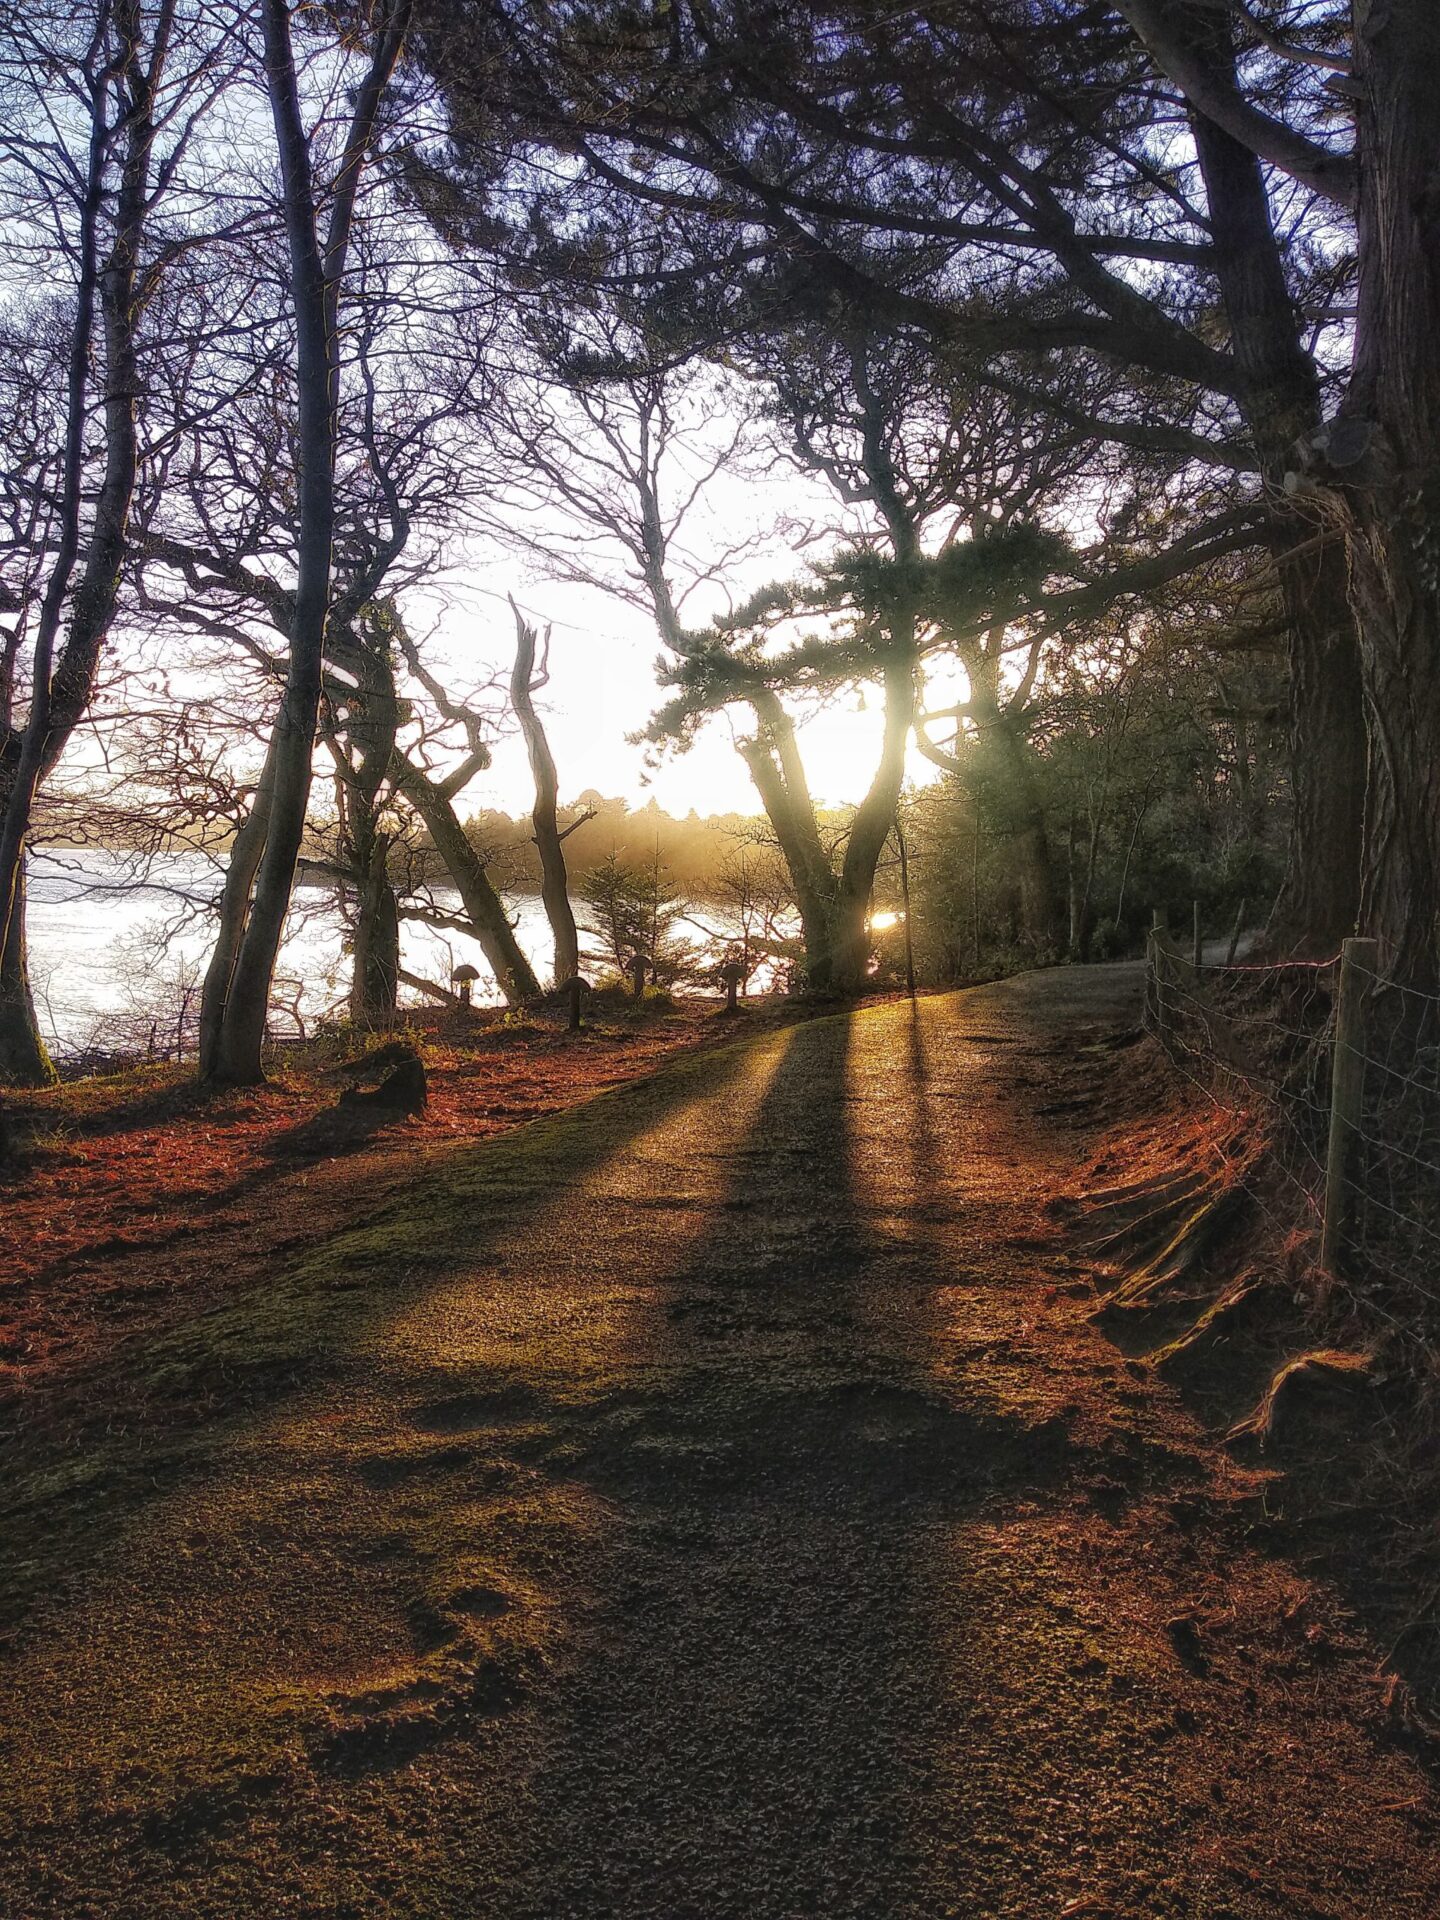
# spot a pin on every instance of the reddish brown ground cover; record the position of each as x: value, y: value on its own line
x: 139, y: 1198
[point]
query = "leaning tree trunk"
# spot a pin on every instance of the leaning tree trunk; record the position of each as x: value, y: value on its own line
x: 236, y: 1058
x: 773, y: 758
x: 240, y: 870
x: 315, y: 277
x: 874, y: 818
x: 554, y: 878
x: 61, y: 691
x: 1278, y: 394
x: 484, y: 908
x: 23, y: 1058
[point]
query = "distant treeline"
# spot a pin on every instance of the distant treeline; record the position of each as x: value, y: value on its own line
x: 692, y: 853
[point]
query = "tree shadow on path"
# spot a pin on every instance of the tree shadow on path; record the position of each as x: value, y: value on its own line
x: 759, y: 1724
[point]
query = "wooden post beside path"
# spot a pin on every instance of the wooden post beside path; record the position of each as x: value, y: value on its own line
x: 1234, y: 946
x: 574, y: 990
x: 1155, y: 942
x: 1358, y: 962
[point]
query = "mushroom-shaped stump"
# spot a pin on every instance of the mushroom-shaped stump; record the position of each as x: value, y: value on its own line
x: 463, y: 980
x: 733, y: 974
x: 638, y: 964
x: 574, y: 991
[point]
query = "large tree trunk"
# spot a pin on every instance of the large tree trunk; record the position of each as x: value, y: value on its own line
x: 554, y: 878
x: 874, y: 819
x: 23, y: 1058
x: 484, y: 908
x: 773, y: 758
x: 1279, y: 397
x: 814, y: 886
x: 315, y: 277
x: 363, y: 761
x: 1006, y: 766
x: 1385, y: 459
x: 236, y: 1058
x: 240, y: 870
x: 375, y: 977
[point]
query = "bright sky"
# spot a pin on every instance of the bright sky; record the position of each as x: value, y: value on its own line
x: 602, y: 687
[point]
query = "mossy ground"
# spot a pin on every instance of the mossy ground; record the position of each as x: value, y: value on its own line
x: 717, y: 1500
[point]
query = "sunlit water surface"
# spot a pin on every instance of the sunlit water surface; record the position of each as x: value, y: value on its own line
x: 114, y: 945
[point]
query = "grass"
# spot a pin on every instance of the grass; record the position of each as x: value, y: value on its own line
x: 174, y: 1401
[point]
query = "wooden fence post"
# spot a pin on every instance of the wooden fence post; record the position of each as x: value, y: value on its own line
x: 1154, y: 979
x: 1358, y: 960
x: 1235, y: 932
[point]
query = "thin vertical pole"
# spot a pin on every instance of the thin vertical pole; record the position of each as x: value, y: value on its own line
x: 1235, y: 931
x: 905, y: 902
x: 1196, y: 945
x: 1358, y: 960
x: 975, y: 889
x: 1155, y: 943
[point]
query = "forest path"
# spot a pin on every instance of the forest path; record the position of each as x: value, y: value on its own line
x: 718, y: 1505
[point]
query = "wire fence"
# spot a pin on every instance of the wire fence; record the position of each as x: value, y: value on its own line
x: 1342, y: 1067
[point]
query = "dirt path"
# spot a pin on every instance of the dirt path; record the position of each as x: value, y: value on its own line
x: 716, y: 1503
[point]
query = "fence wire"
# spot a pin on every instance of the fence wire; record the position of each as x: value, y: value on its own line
x: 1261, y: 1040
x: 1254, y: 1041
x: 1392, y: 1178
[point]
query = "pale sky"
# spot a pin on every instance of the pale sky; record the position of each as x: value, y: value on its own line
x: 602, y: 687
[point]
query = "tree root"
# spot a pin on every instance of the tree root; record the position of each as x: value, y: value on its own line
x: 1214, y: 1323
x: 1332, y: 1366
x: 1189, y: 1244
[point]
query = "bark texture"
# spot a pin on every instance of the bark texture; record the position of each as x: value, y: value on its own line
x: 24, y: 1060
x: 1382, y: 458
x: 1278, y: 394
x: 525, y: 682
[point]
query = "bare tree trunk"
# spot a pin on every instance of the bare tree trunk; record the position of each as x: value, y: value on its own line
x: 240, y: 870
x: 814, y: 886
x: 484, y: 908
x: 364, y: 758
x: 316, y: 274
x: 24, y: 1060
x: 1140, y: 813
x: 525, y: 682
x: 61, y: 692
x: 375, y: 977
x: 873, y: 820
x: 773, y: 758
x: 1086, y: 915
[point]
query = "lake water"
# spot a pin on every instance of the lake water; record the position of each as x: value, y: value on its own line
x: 114, y: 944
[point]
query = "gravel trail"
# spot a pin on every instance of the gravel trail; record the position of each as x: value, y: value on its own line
x: 738, y: 1516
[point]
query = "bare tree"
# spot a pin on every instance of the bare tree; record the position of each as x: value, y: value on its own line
x: 85, y: 198
x: 529, y: 678
x: 237, y: 985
